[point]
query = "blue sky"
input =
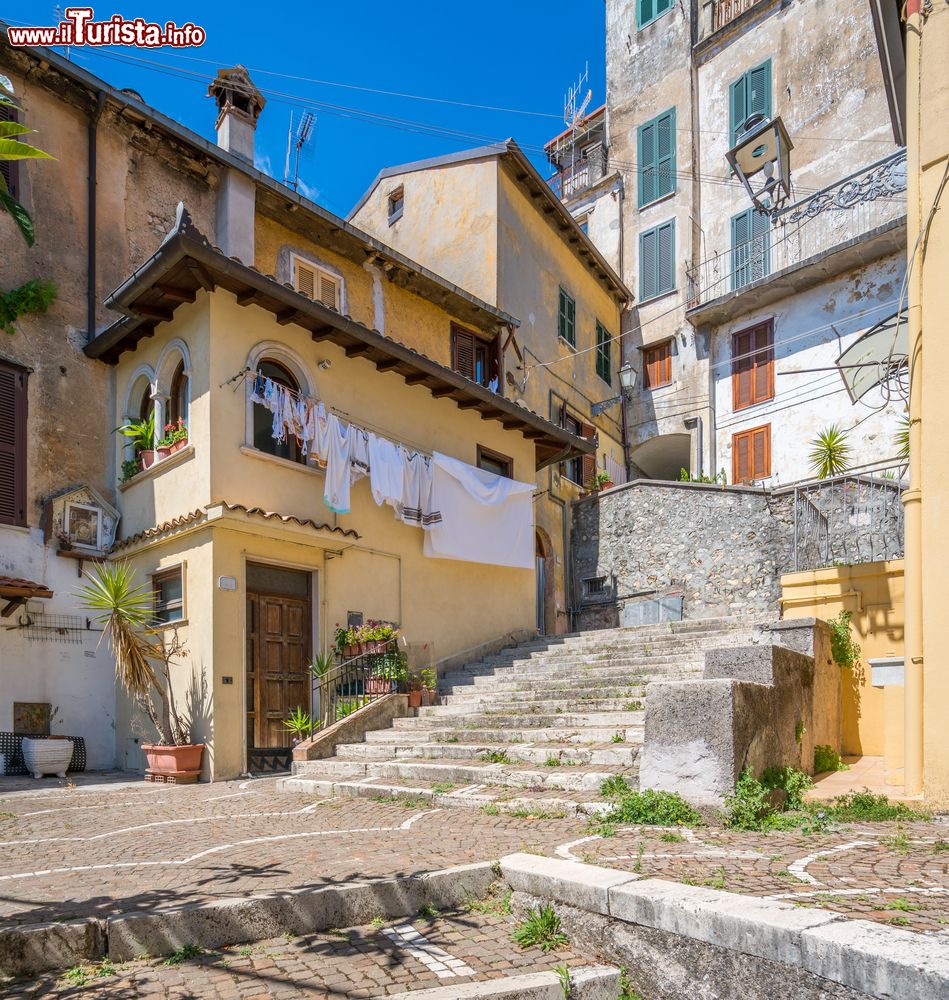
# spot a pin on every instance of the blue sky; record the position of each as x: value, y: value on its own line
x: 507, y: 54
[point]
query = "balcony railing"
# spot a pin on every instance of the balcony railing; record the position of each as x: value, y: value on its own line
x: 833, y: 216
x: 583, y: 173
x: 725, y: 11
x: 852, y: 518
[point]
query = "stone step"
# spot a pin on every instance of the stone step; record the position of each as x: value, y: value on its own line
x: 542, y: 688
x: 589, y: 735
x: 646, y: 647
x: 586, y: 983
x: 455, y: 705
x: 605, y: 755
x: 607, y: 673
x: 508, y: 719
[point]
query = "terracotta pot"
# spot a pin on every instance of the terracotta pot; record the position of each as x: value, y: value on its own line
x: 607, y: 485
x: 415, y: 699
x: 378, y: 685
x: 177, y: 760
x: 349, y: 652
x: 163, y: 451
x: 178, y: 445
x: 147, y: 457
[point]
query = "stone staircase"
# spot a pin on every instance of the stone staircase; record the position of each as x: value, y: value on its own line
x: 534, y: 729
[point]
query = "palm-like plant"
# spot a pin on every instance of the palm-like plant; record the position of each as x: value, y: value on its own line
x: 901, y: 437
x: 124, y: 609
x: 830, y: 453
x: 12, y: 148
x: 140, y: 432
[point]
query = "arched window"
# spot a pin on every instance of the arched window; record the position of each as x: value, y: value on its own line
x: 178, y: 395
x: 146, y: 403
x: 263, y: 419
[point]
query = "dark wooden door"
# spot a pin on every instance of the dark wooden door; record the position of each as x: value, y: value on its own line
x: 278, y: 647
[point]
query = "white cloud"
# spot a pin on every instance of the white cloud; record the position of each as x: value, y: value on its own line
x: 262, y: 163
x: 312, y: 193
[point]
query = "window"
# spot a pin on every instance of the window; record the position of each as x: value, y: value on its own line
x: 751, y: 455
x: 749, y: 95
x: 567, y: 318
x: 656, y: 152
x: 657, y: 365
x: 648, y: 10
x: 396, y: 204
x: 178, y: 396
x: 604, y: 351
x: 752, y: 366
x: 582, y: 468
x: 492, y: 461
x: 263, y: 419
x: 10, y: 169
x: 473, y: 356
x: 317, y: 284
x: 12, y: 444
x: 584, y: 224
x: 169, y: 596
x: 594, y: 586
x: 657, y: 261
x: 751, y: 247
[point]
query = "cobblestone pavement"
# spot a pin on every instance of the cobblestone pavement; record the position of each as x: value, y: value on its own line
x: 895, y: 873
x: 352, y: 963
x: 98, y: 849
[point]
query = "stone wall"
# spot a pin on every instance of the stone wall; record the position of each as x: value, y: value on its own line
x: 722, y: 550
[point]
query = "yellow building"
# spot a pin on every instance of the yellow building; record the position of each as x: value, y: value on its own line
x: 486, y: 220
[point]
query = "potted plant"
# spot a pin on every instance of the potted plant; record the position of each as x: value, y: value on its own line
x: 142, y: 435
x: 176, y: 438
x: 429, y: 684
x: 299, y: 725
x: 346, y: 640
x: 143, y: 658
x: 414, y: 688
x: 65, y: 541
x: 47, y: 754
x: 600, y: 480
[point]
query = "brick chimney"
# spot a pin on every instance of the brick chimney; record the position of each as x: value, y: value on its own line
x: 239, y: 104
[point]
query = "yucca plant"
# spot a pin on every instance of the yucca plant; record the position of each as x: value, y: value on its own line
x: 299, y: 724
x: 124, y: 609
x: 830, y: 453
x: 901, y: 438
x: 13, y: 148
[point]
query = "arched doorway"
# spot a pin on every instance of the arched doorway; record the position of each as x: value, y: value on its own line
x: 540, y: 561
x: 662, y: 456
x: 546, y: 598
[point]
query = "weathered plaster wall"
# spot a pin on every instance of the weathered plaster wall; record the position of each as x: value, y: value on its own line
x: 722, y: 550
x: 601, y: 208
x: 807, y: 399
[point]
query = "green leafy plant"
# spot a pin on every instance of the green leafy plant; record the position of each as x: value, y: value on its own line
x: 541, y: 927
x: 563, y: 976
x: 130, y: 467
x: 32, y: 298
x: 173, y: 434
x: 429, y: 679
x: 299, y: 724
x: 844, y: 648
x: 427, y: 912
x: 686, y: 477
x: 830, y: 452
x: 648, y: 807
x: 901, y: 438
x: 14, y: 147
x: 495, y: 757
x: 140, y: 432
x: 626, y: 987
x: 826, y: 758
x: 322, y: 664
x: 791, y: 781
x: 597, y: 481
x: 184, y: 954
x: 753, y: 806
x: 618, y: 737
x: 747, y: 808
x: 865, y: 807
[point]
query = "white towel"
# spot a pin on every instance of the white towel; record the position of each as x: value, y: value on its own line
x: 339, y: 444
x: 484, y: 518
x: 358, y: 453
x: 386, y: 470
x: 416, y: 506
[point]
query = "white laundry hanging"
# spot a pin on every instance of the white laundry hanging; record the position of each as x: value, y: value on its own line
x: 386, y: 470
x: 416, y: 505
x: 358, y: 453
x: 484, y: 518
x: 339, y: 445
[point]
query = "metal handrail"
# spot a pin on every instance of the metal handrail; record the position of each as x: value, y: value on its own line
x: 356, y: 682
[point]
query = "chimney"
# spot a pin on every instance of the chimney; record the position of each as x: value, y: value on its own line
x: 239, y: 104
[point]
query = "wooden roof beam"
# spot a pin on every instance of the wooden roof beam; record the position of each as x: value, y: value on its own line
x: 357, y: 350
x: 177, y: 294
x: 388, y: 364
x: 153, y: 312
x: 417, y: 379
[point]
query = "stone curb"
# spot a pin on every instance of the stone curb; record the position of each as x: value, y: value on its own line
x: 595, y: 982
x: 872, y: 959
x: 29, y: 950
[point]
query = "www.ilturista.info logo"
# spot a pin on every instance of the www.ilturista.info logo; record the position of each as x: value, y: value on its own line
x: 78, y: 28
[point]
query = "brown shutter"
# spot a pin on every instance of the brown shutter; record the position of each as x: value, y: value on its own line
x: 761, y: 452
x: 589, y: 461
x: 753, y: 366
x: 742, y: 390
x: 741, y: 458
x: 667, y: 362
x: 764, y: 364
x: 751, y: 454
x: 12, y: 444
x: 462, y: 352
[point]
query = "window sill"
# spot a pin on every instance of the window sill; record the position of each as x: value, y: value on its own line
x: 157, y: 467
x: 566, y: 343
x: 395, y: 216
x: 656, y: 388
x: 658, y: 296
x: 263, y: 456
x: 161, y: 626
x: 658, y: 201
x: 751, y: 406
x: 658, y: 17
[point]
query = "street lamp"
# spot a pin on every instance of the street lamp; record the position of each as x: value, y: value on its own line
x: 627, y: 382
x: 763, y: 148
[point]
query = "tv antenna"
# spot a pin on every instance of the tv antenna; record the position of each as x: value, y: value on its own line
x: 575, y: 106
x: 297, y: 140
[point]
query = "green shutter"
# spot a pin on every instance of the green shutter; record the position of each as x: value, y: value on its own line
x: 567, y: 318
x: 646, y: 143
x: 751, y: 247
x: 666, y: 153
x: 737, y: 105
x: 647, y: 264
x: 657, y: 261
x: 666, y: 278
x: 656, y: 155
x: 750, y: 94
x: 741, y: 235
x: 645, y: 12
x: 603, y: 352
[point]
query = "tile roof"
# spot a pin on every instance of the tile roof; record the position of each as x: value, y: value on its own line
x: 16, y: 586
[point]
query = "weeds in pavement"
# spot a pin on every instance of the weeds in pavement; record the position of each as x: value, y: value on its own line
x: 563, y: 975
x: 898, y: 842
x: 377, y: 923
x: 541, y: 927
x: 497, y: 901
x: 427, y: 912
x: 183, y: 954
x: 903, y: 904
x: 495, y: 757
x: 626, y: 987
x: 648, y: 807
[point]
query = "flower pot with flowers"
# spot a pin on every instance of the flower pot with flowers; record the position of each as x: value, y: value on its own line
x: 143, y: 665
x: 176, y: 438
x: 141, y: 433
x: 429, y: 684
x: 345, y: 640
x: 414, y: 687
x: 600, y: 480
x: 389, y: 673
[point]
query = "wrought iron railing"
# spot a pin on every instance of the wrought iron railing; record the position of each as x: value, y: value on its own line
x: 853, y: 518
x: 834, y: 215
x: 584, y: 172
x: 358, y: 681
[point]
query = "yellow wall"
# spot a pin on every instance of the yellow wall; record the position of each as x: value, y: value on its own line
x: 873, y: 593
x: 383, y: 573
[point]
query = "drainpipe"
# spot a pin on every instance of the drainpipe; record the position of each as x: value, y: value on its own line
x: 91, y: 219
x: 912, y: 497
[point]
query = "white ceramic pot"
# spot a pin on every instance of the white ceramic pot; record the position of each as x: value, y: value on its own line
x: 47, y: 756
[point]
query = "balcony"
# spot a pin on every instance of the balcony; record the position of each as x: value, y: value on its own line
x: 858, y: 219
x: 574, y: 178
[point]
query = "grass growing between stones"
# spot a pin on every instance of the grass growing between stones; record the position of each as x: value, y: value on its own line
x: 541, y: 927
x: 183, y: 954
x: 496, y: 901
x: 648, y: 807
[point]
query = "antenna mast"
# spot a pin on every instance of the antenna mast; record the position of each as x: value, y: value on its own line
x: 304, y: 133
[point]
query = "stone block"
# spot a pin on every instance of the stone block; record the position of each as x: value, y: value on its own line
x: 592, y: 982
x: 880, y: 961
x: 585, y: 886
x: 28, y: 950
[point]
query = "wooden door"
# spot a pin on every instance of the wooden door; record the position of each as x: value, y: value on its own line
x: 278, y: 646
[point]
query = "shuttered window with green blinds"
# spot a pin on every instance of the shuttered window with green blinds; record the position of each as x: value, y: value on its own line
x: 656, y: 146
x: 749, y: 95
x: 657, y: 260
x: 751, y: 247
x: 648, y: 10
x: 567, y: 318
x: 604, y: 345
